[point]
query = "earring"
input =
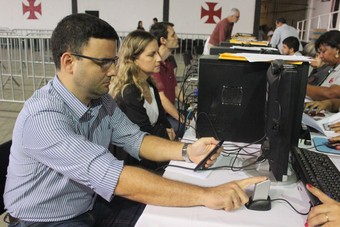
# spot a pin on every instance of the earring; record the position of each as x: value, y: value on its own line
x: 337, y: 55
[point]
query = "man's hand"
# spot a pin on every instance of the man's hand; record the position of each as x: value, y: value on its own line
x: 230, y: 196
x: 201, y: 148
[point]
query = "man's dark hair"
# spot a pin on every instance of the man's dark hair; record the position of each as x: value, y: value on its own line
x: 292, y: 42
x: 74, y: 31
x: 281, y: 20
x: 155, y: 19
x: 330, y: 38
x: 160, y: 30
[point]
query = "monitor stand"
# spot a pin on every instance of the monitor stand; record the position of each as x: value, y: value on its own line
x: 263, y: 169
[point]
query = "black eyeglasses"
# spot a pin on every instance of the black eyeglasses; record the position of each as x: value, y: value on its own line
x: 103, y: 63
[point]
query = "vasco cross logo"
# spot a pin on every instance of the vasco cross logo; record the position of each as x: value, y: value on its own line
x: 31, y: 8
x: 211, y: 12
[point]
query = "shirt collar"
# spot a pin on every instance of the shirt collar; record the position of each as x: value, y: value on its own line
x: 71, y: 101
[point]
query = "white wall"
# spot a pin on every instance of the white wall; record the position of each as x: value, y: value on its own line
x: 11, y: 14
x: 186, y: 15
x: 123, y: 15
x: 322, y: 9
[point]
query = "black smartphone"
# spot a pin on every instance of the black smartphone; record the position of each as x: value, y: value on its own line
x: 203, y: 161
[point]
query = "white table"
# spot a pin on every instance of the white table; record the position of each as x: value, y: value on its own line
x: 281, y: 214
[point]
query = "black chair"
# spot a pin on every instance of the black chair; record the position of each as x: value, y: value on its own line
x: 4, y: 159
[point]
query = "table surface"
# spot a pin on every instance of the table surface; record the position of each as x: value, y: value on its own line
x: 281, y: 214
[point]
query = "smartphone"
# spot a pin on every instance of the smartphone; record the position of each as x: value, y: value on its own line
x: 203, y: 161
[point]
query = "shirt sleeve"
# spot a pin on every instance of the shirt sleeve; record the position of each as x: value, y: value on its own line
x: 275, y: 40
x: 58, y: 144
x: 159, y: 82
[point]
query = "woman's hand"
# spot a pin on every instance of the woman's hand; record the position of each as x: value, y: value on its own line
x: 171, y: 133
x: 317, y: 106
x: 327, y: 214
x: 336, y: 128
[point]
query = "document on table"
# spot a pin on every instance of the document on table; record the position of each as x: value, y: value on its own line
x: 322, y: 123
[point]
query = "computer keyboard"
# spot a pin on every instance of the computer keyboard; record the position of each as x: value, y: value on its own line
x: 318, y: 170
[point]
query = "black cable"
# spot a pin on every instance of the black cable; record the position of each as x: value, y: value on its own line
x: 273, y: 200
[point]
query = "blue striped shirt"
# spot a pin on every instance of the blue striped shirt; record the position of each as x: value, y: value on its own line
x: 59, y: 159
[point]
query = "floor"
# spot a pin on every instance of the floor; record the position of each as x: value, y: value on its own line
x: 8, y: 115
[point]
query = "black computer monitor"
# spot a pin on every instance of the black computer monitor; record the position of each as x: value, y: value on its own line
x: 231, y: 99
x: 286, y: 93
x: 253, y: 102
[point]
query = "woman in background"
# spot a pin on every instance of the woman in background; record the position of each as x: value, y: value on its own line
x: 134, y: 89
x: 320, y: 69
x: 140, y: 25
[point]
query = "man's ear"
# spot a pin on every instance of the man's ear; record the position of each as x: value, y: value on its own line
x: 67, y: 62
x: 163, y: 40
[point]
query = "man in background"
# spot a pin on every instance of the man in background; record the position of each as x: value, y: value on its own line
x: 282, y: 31
x: 222, y: 31
x: 290, y: 46
x: 166, y: 78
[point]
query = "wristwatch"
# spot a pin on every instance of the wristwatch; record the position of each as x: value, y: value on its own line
x: 185, y: 153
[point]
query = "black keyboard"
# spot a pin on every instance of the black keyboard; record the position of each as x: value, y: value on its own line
x: 318, y: 170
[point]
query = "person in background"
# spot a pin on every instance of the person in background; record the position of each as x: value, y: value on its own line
x: 282, y: 31
x: 270, y: 34
x: 140, y: 25
x: 290, y: 46
x: 222, y: 30
x: 135, y: 90
x: 166, y: 78
x: 326, y: 214
x: 319, y: 69
x: 262, y: 36
x: 327, y: 46
x: 59, y: 156
x: 154, y: 20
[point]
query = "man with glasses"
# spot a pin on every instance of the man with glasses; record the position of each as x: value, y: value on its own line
x: 222, y: 31
x: 60, y: 171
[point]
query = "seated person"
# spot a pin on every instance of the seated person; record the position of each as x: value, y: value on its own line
x: 290, y: 46
x: 327, y: 46
x: 320, y: 69
x: 135, y: 91
x: 166, y: 78
x: 326, y: 214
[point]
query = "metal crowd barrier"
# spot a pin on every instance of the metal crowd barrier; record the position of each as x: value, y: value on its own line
x: 26, y: 62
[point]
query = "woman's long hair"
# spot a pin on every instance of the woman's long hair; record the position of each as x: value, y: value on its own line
x: 128, y: 72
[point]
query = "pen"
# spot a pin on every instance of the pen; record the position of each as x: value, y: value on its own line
x: 203, y: 161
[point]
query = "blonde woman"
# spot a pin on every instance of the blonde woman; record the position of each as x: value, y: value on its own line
x: 134, y: 89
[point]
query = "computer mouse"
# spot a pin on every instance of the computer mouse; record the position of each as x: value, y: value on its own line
x: 333, y: 145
